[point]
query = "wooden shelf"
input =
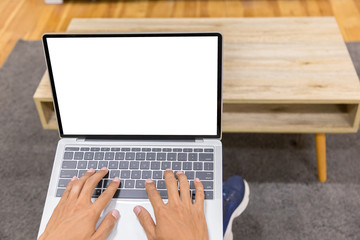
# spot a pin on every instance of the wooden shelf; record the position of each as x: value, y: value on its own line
x: 288, y: 74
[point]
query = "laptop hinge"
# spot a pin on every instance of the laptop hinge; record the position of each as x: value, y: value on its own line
x: 199, y: 140
x: 80, y: 139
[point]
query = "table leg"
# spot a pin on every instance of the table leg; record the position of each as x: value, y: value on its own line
x: 320, y: 140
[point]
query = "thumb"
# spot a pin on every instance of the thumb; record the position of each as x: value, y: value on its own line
x: 146, y: 221
x: 106, y: 225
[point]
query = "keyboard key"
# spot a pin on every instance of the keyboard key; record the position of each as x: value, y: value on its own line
x: 206, y: 156
x: 119, y: 156
x: 150, y: 156
x: 125, y: 149
x: 171, y: 156
x: 68, y: 173
x: 131, y: 193
x: 130, y: 156
x: 68, y: 165
x: 82, y: 164
x: 176, y: 166
x: 163, y: 194
x: 198, y: 165
x: 105, y: 149
x: 187, y: 150
x: 208, y: 150
x: 92, y: 164
x: 140, y: 184
x: 109, y: 156
x: 81, y: 173
x: 146, y: 149
x: 96, y: 193
x: 100, y: 183
x: 161, y: 184
x: 209, y: 194
x: 115, y: 149
x: 182, y: 156
x: 140, y: 156
x: 190, y: 174
x: 205, y: 175
x: 146, y: 174
x: 99, y: 156
x: 166, y: 149
x: 94, y: 149
x: 136, y: 149
x: 71, y: 149
x: 155, y: 165
x: 156, y: 149
x: 113, y: 164
x: 122, y: 184
x: 192, y: 185
x: 208, y: 166
x: 192, y: 156
x: 187, y: 166
x: 89, y: 156
x: 157, y: 175
x: 68, y: 155
x: 63, y: 182
x: 129, y: 183
x: 124, y: 165
x: 165, y: 165
x: 161, y: 156
x: 198, y: 150
x: 106, y: 183
x: 114, y: 173
x: 60, y: 192
x: 134, y: 165
x: 103, y: 164
x: 125, y: 174
x: 177, y: 150
x: 135, y: 174
x: 84, y: 149
x: 79, y: 156
x: 144, y: 165
x: 208, y: 184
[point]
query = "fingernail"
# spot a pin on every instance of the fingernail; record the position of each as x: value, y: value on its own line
x: 197, y: 180
x: 91, y: 170
x: 116, y: 179
x: 179, y: 172
x: 103, y: 168
x: 73, y: 178
x: 116, y: 214
x: 137, y: 210
x: 149, y: 180
x: 168, y: 169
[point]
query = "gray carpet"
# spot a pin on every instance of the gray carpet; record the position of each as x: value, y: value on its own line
x: 286, y: 202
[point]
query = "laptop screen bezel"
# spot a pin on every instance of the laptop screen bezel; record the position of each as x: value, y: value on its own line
x: 138, y: 137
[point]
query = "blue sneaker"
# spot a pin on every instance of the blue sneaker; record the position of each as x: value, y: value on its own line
x: 235, y: 199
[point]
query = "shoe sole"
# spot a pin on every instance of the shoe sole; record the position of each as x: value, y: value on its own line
x: 229, y: 234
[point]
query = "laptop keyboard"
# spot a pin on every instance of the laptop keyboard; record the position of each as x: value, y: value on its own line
x: 133, y: 165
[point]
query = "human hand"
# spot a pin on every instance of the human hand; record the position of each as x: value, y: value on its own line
x: 75, y: 216
x: 179, y: 218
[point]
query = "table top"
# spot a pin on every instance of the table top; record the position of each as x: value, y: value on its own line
x: 266, y: 60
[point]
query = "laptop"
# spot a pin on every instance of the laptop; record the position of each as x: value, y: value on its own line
x: 137, y: 103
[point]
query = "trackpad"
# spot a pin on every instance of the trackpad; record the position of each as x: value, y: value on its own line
x: 128, y: 226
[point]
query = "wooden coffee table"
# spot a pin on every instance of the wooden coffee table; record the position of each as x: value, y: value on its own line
x: 280, y: 75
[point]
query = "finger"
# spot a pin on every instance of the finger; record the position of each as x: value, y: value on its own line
x: 199, y: 193
x: 67, y: 190
x: 171, y: 186
x: 146, y: 221
x: 78, y: 185
x: 104, y: 199
x: 106, y: 225
x: 184, y: 187
x: 91, y: 183
x: 153, y: 194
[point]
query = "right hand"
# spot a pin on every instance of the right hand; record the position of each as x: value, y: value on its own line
x: 179, y: 218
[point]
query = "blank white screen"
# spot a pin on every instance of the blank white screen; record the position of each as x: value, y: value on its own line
x: 136, y: 85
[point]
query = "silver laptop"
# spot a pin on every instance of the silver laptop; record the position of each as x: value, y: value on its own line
x: 137, y: 104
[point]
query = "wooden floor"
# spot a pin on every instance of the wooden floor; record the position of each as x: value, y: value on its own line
x: 29, y: 19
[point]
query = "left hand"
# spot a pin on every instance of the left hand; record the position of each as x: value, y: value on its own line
x: 75, y: 216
